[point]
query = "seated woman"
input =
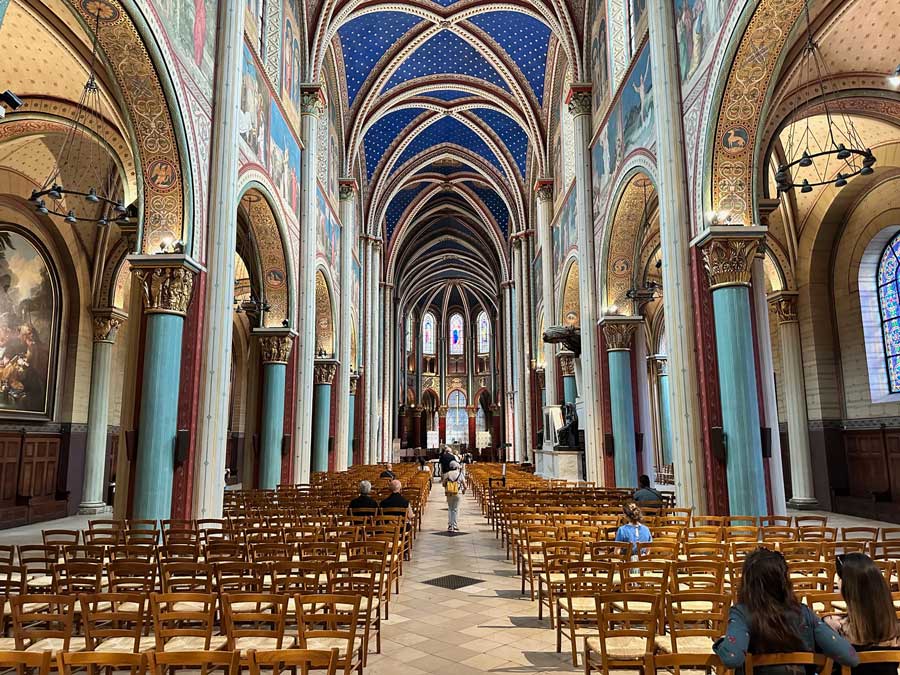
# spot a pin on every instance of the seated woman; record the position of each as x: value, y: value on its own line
x: 871, y: 621
x: 768, y: 619
x: 633, y: 532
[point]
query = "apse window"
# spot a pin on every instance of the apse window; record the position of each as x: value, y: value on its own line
x: 457, y: 334
x: 889, y: 306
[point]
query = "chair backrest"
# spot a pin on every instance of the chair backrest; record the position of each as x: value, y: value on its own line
x: 801, y: 551
x: 238, y: 577
x: 644, y: 576
x: 74, y: 578
x: 329, y: 616
x: 182, y: 614
x: 658, y: 550
x: 254, y: 615
x: 36, y: 616
x: 706, y: 550
x: 820, y: 662
x: 694, y: 613
x: 811, y: 576
x: 698, y: 575
x: 627, y: 614
x: 297, y: 660
x: 113, y: 615
x: 859, y: 533
x: 60, y: 537
x: 817, y: 533
x: 810, y: 521
x: 133, y: 552
x: 161, y: 663
x: 186, y: 577
x: 39, y: 662
x: 92, y: 661
x: 131, y: 576
x: 292, y: 577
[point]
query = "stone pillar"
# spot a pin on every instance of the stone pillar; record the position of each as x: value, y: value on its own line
x: 784, y: 304
x: 312, y: 104
x: 472, y: 412
x: 674, y: 217
x: 521, y: 369
x: 540, y: 376
x: 323, y: 376
x: 389, y: 374
x: 106, y: 327
x: 509, y: 388
x: 579, y: 100
x: 619, y: 333
x: 442, y: 424
x: 374, y: 411
x: 567, y: 370
x: 417, y: 413
x: 351, y: 418
x: 496, y: 420
x: 544, y: 190
x: 368, y: 344
x: 665, y: 407
x: 166, y: 282
x: 275, y: 350
x: 728, y: 258
x: 525, y: 322
x: 342, y: 444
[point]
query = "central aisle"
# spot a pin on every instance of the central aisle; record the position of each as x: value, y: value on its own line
x: 486, y: 627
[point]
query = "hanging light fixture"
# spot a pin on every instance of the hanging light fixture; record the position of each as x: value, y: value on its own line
x: 818, y: 157
x: 81, y: 156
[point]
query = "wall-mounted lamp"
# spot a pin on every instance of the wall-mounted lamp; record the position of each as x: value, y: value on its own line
x: 167, y: 246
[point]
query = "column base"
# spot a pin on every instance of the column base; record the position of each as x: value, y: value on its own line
x: 93, y: 508
x: 803, y: 503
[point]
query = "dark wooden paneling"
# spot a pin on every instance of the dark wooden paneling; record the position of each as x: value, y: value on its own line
x: 867, y: 469
x: 9, y: 470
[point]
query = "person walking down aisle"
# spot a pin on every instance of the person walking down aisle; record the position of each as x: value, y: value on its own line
x: 452, y: 480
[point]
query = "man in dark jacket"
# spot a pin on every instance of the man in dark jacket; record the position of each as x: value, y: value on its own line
x: 364, y: 501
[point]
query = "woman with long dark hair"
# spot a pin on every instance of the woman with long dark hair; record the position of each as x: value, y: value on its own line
x: 768, y: 619
x: 871, y: 620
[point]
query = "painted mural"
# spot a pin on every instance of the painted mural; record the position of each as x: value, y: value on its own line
x: 637, y: 21
x: 630, y: 125
x: 565, y: 235
x: 191, y: 26
x: 255, y: 103
x: 284, y: 158
x: 291, y: 61
x: 697, y: 23
x: 328, y: 237
x: 29, y: 318
x: 253, y: 20
x: 536, y: 299
x: 599, y: 44
x: 356, y: 294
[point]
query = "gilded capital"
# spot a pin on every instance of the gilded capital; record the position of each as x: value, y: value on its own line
x: 442, y: 411
x: 347, y: 189
x: 106, y: 328
x: 541, y: 376
x: 618, y: 334
x: 784, y: 305
x: 662, y: 367
x: 276, y: 348
x: 728, y: 261
x: 543, y: 189
x: 312, y: 100
x: 354, y: 383
x: 579, y: 100
x: 324, y: 371
x: 566, y: 363
x: 166, y: 290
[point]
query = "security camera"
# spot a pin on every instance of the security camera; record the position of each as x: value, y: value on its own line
x: 10, y: 99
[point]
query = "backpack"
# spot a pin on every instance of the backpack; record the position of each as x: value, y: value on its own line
x: 452, y: 486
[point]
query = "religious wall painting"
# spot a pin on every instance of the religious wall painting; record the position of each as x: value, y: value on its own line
x: 291, y: 61
x: 29, y: 326
x: 334, y: 154
x: 328, y: 236
x: 606, y: 155
x: 599, y: 44
x: 284, y: 158
x: 253, y: 124
x: 697, y: 23
x: 537, y: 295
x: 556, y: 159
x: 253, y: 19
x: 565, y: 235
x: 637, y: 105
x: 191, y: 27
x: 637, y: 21
x: 356, y: 293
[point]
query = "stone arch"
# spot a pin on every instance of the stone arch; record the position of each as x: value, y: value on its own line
x: 324, y: 313
x: 569, y: 307
x: 275, y: 263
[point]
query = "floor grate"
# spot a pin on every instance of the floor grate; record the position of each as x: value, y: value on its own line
x: 450, y: 534
x: 453, y: 582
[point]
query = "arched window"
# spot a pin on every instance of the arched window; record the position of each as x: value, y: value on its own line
x: 457, y: 418
x: 889, y: 304
x: 484, y: 333
x: 409, y: 333
x: 457, y: 334
x: 428, y: 334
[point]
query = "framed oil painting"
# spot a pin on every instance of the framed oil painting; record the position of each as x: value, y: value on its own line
x: 29, y: 326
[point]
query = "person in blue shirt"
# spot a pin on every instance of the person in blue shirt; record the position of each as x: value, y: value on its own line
x: 633, y: 532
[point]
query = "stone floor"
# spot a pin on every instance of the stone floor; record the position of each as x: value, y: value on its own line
x: 487, y: 627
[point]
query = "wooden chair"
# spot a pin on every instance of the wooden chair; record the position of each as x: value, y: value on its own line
x: 820, y: 662
x: 142, y: 553
x: 832, y: 549
x: 576, y: 610
x: 705, y: 550
x: 114, y: 622
x: 161, y: 663
x: 811, y: 576
x: 60, y: 538
x: 141, y: 536
x: 705, y: 576
x: 695, y: 621
x: 533, y: 562
x: 330, y: 621
x: 359, y: 577
x: 801, y: 551
x: 627, y: 630
x: 376, y: 552
x: 810, y: 521
x: 186, y: 577
x: 300, y: 661
x: 658, y: 550
x: 866, y: 534
x: 238, y: 577
x: 254, y: 621
x: 74, y: 578
x: 775, y: 521
x: 824, y: 602
x: 740, y: 533
x: 134, y: 663
x: 37, y: 562
x: 776, y: 533
x: 556, y: 556
x: 183, y: 622
x: 45, y: 623
x: 817, y: 533
x: 38, y: 662
x: 128, y: 576
x: 885, y: 656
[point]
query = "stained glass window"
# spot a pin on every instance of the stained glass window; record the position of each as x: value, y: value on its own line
x: 457, y: 418
x: 409, y: 333
x: 428, y: 334
x: 457, y: 334
x: 484, y: 334
x: 889, y: 304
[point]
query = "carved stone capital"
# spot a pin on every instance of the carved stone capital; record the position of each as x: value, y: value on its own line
x: 347, y: 189
x: 472, y: 411
x: 729, y: 260
x: 354, y: 383
x: 618, y: 333
x: 312, y: 100
x: 541, y: 377
x: 543, y: 189
x: 662, y: 366
x: 784, y: 305
x: 106, y: 327
x: 566, y: 363
x: 324, y: 371
x: 276, y: 348
x: 442, y: 411
x: 579, y: 100
x: 166, y: 290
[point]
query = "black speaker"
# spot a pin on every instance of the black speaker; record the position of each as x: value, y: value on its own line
x: 718, y: 442
x: 639, y: 441
x: 182, y: 446
x: 609, y: 445
x: 286, y: 444
x: 766, y: 438
x: 131, y: 443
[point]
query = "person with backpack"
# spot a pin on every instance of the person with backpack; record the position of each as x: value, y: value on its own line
x: 454, y: 487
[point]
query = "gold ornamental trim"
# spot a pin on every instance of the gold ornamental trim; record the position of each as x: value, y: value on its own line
x: 567, y: 364
x: 784, y: 306
x: 354, y: 384
x: 728, y: 261
x: 324, y: 372
x: 166, y: 290
x: 619, y: 334
x: 276, y: 348
x: 106, y: 328
x: 442, y: 410
x: 579, y: 100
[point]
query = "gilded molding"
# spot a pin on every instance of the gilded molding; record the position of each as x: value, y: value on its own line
x: 728, y: 261
x: 324, y: 371
x: 166, y: 290
x: 566, y: 363
x: 312, y: 100
x: 275, y: 348
x: 354, y: 384
x: 784, y: 306
x: 442, y: 411
x: 619, y: 334
x: 106, y: 327
x: 541, y: 377
x: 347, y: 189
x: 579, y: 100
x: 543, y: 189
x: 662, y: 367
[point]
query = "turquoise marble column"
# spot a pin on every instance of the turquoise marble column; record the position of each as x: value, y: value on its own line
x: 665, y: 419
x: 323, y: 376
x: 351, y: 418
x: 728, y: 260
x: 567, y: 369
x: 167, y: 285
x: 619, y: 333
x: 275, y: 350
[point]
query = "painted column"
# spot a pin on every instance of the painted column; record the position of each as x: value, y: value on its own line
x: 579, y: 100
x: 377, y: 355
x: 167, y: 284
x: 442, y: 424
x: 619, y: 332
x: 520, y: 439
x: 389, y: 376
x: 728, y: 259
x: 275, y: 350
x: 312, y: 104
x: 803, y: 496
x: 323, y: 376
x: 351, y: 418
x: 214, y: 403
x: 368, y: 368
x: 343, y: 446
x: 544, y: 191
x: 567, y: 370
x: 540, y: 376
x: 525, y: 299
x: 509, y: 383
x: 106, y: 327
x: 665, y: 408
x: 472, y: 412
x: 416, y: 440
x: 675, y: 235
